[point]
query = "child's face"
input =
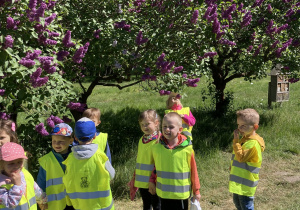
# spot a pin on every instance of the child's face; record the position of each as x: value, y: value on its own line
x: 61, y: 143
x: 96, y: 120
x: 4, y: 138
x: 172, y: 101
x: 148, y: 126
x: 244, y: 127
x: 171, y: 128
x: 14, y: 166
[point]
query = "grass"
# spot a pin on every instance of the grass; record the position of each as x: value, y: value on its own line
x: 279, y: 126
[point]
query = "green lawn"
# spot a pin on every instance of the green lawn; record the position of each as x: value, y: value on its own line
x: 279, y: 126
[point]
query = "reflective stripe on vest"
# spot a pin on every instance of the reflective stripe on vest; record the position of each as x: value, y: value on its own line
x: 173, y: 175
x: 245, y: 166
x: 89, y: 195
x: 146, y: 167
x: 56, y: 197
x: 55, y: 181
x: 243, y: 181
x: 173, y: 188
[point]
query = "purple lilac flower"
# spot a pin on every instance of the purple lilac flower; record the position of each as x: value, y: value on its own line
x: 80, y: 107
x: 271, y: 30
x: 216, y: 26
x: 227, y: 13
x: 261, y: 20
x: 240, y: 7
x: 250, y: 48
x: 61, y: 55
x: 206, y: 14
x: 147, y: 70
x: 50, y: 42
x: 153, y: 78
x: 145, y: 77
x: 257, y: 3
x: 41, y: 129
x: 257, y: 50
x: 86, y: 47
x: 96, y: 33
x: 178, y: 69
x: 293, y: 80
x: 289, y: 13
x: 40, y: 11
x: 269, y: 7
x: 162, y: 92
x: 2, y: 91
x: 27, y: 62
x: 53, y: 34
x: 50, y: 122
x: 4, y: 116
x: 220, y: 34
x: 9, y: 41
x: 195, y: 17
x: 32, y: 4
x: 281, y: 28
x: 210, y: 54
x: 56, y: 119
x: 67, y: 40
x: 227, y: 42
x: 80, y: 53
x: 246, y: 19
x: 192, y: 82
x: 11, y: 24
x: 184, y: 75
x: 66, y: 119
x: 49, y: 19
x: 275, y: 44
x: 36, y: 80
x: 33, y: 55
x: 253, y: 35
x: 139, y: 39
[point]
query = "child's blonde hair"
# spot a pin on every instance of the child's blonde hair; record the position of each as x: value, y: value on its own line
x: 92, y: 113
x: 9, y: 127
x: 169, y: 100
x: 176, y: 116
x: 249, y: 115
x: 150, y: 114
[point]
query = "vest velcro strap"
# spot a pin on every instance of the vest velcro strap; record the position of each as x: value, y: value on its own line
x: 243, y: 181
x: 56, y: 197
x: 252, y: 169
x: 145, y: 167
x: 55, y: 181
x: 186, y: 133
x: 173, y: 188
x: 141, y: 178
x: 89, y: 195
x: 32, y: 201
x: 173, y: 175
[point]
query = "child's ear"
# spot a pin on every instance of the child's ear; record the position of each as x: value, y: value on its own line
x: 256, y: 126
x: 180, y: 129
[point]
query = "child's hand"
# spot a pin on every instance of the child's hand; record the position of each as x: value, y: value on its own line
x: 43, y: 206
x: 236, y: 134
x: 197, y: 197
x: 152, y: 188
x: 16, y: 177
x: 182, y: 115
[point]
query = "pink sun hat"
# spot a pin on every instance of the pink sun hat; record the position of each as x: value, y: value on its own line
x: 11, y: 151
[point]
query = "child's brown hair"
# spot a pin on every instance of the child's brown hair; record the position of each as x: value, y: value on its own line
x: 92, y: 113
x: 249, y: 115
x: 150, y: 114
x: 169, y: 100
x: 9, y: 127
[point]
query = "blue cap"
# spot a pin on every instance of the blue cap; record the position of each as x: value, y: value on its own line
x: 85, y: 129
x: 61, y: 129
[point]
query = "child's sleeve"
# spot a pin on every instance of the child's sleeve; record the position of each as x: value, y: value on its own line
x: 41, y: 178
x: 189, y: 119
x: 12, y: 197
x: 110, y: 169
x: 194, y: 176
x: 40, y: 196
x: 108, y: 154
x: 243, y: 155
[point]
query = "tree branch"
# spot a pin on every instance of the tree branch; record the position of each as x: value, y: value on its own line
x: 119, y: 86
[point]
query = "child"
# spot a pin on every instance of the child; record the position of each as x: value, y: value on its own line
x: 149, y: 122
x: 188, y: 120
x: 175, y: 164
x: 101, y: 138
x: 52, y: 170
x: 17, y: 187
x: 88, y: 171
x: 246, y: 159
x: 7, y: 132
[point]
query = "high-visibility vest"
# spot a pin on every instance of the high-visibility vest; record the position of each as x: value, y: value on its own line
x: 88, y: 182
x: 55, y: 188
x: 173, y: 170
x: 144, y: 167
x: 187, y: 130
x: 244, y: 177
x: 28, y: 201
x: 101, y: 140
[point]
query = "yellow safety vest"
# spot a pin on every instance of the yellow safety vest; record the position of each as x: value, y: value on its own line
x: 55, y: 188
x: 88, y: 182
x: 27, y: 202
x: 244, y: 177
x: 187, y: 130
x: 173, y: 170
x: 144, y: 167
x: 101, y: 140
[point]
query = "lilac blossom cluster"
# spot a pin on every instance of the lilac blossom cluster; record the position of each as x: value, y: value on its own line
x: 53, y: 120
x: 270, y: 29
x: 80, y: 107
x: 2, y: 91
x: 227, y: 13
x: 257, y: 51
x: 80, y: 53
x: 9, y: 41
x: 138, y: 3
x: 211, y: 12
x: 275, y: 44
x: 283, y: 48
x: 296, y: 43
x: 40, y: 128
x: 246, y: 19
x: 164, y: 92
x: 227, y: 42
x: 257, y: 3
x: 122, y: 25
x: 46, y: 63
x: 4, y: 116
x: 195, y: 17
x: 192, y: 82
x: 164, y: 66
x: 281, y: 28
x: 293, y: 80
x: 67, y: 40
x: 178, y: 69
x: 36, y: 80
x: 61, y: 55
x: 11, y: 23
x: 139, y: 39
x: 148, y: 77
x: 250, y: 48
x: 28, y: 60
x: 208, y: 55
x: 97, y: 33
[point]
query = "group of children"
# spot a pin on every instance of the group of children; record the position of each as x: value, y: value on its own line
x: 76, y: 174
